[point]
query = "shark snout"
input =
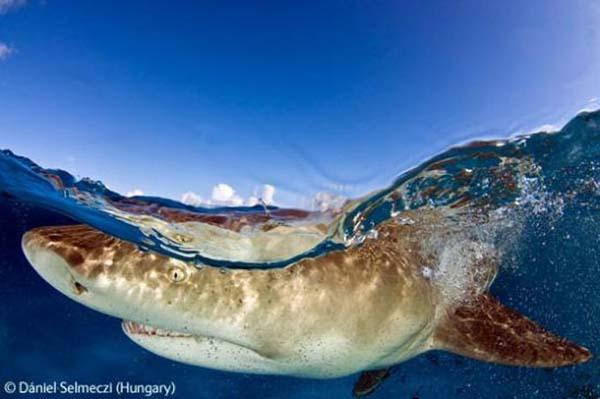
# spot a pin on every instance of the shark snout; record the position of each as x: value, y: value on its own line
x: 77, y: 260
x: 49, y: 257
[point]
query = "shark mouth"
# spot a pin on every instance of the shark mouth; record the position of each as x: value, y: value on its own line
x: 133, y: 328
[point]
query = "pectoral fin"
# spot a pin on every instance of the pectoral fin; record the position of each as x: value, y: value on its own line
x: 484, y: 329
x: 369, y: 381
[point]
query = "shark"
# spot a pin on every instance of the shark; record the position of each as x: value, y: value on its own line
x: 362, y: 309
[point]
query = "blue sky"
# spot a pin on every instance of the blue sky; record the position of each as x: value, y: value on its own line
x: 337, y: 96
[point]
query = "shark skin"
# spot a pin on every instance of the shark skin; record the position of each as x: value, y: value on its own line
x: 368, y: 307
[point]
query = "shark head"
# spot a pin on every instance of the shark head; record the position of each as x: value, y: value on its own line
x: 150, y: 291
x: 171, y: 308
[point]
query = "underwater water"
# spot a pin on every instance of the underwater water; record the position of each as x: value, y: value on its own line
x: 534, y: 199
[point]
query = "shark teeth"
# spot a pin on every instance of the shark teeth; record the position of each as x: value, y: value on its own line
x: 131, y: 327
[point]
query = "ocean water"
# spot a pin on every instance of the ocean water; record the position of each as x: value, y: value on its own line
x: 535, y: 199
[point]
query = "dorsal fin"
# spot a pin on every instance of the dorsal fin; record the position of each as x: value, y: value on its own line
x: 484, y: 329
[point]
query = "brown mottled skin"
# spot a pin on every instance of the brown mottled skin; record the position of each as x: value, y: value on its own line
x: 230, y: 220
x: 485, y: 329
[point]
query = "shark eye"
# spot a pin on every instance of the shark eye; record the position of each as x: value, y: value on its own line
x: 176, y: 274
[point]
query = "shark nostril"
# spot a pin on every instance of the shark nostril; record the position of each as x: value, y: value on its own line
x: 79, y: 288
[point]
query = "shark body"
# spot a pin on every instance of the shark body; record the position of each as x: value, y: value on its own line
x: 368, y: 307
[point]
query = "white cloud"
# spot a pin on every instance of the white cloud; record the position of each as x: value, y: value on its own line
x: 7, y: 5
x: 225, y: 195
x: 222, y: 195
x: 262, y: 195
x: 134, y: 192
x: 5, y: 50
x: 193, y: 199
x: 268, y: 192
x: 324, y: 201
x: 252, y: 200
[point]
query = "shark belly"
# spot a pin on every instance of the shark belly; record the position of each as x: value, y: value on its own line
x: 317, y: 357
x: 201, y: 351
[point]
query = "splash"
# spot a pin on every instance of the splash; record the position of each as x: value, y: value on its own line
x: 484, y: 187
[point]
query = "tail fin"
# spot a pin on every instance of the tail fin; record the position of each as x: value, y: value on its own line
x: 486, y: 330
